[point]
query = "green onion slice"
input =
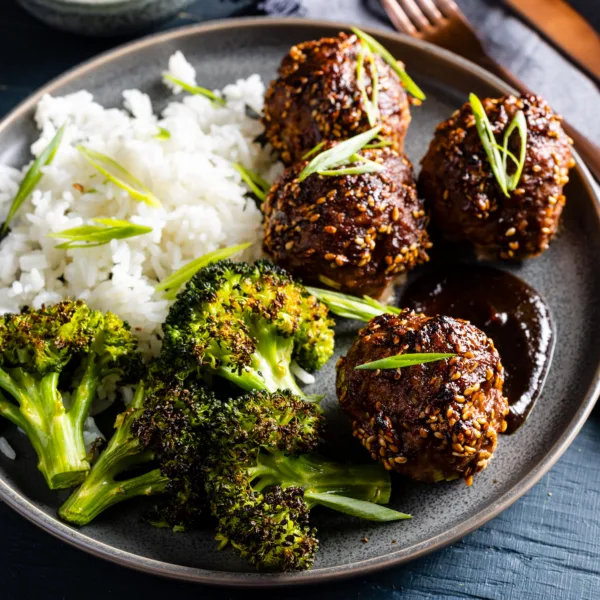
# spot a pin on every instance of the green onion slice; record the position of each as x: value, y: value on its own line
x: 488, y: 140
x: 122, y: 178
x: 313, y: 151
x: 173, y: 283
x: 520, y: 123
x: 404, y: 360
x: 410, y: 86
x: 371, y: 104
x: 91, y: 236
x: 163, y: 134
x: 32, y: 177
x: 342, y: 154
x: 351, y: 307
x: 497, y: 154
x: 378, y: 142
x: 254, y: 181
x: 195, y: 90
x: 356, y: 508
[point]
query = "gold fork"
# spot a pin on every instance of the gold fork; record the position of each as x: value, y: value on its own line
x: 442, y: 23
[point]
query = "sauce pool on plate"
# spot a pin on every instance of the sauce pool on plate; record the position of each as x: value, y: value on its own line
x: 508, y: 310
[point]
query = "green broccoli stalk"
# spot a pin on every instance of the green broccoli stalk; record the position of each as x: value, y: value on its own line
x: 42, y: 352
x: 247, y: 323
x: 103, y: 487
x: 317, y: 475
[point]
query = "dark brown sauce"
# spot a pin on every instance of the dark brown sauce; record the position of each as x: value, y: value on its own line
x: 508, y: 310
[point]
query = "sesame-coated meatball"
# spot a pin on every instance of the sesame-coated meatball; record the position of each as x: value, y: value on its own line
x: 465, y: 199
x: 317, y: 97
x: 435, y: 421
x: 355, y: 233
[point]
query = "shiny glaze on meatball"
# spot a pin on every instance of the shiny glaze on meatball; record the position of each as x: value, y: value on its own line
x: 316, y: 97
x: 432, y: 422
x: 357, y: 233
x: 466, y: 201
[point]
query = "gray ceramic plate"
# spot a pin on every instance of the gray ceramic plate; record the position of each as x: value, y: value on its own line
x: 568, y: 275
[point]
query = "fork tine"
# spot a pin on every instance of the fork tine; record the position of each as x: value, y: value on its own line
x: 431, y: 10
x: 397, y: 16
x: 447, y: 7
x: 415, y: 14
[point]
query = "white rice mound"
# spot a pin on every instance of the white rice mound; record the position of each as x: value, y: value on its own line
x: 204, y: 201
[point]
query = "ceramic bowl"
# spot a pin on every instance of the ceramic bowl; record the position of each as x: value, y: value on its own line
x: 103, y: 17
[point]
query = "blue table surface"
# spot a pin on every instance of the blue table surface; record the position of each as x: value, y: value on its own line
x: 547, y: 545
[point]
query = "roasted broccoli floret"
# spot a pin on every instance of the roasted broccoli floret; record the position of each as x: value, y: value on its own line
x: 160, y: 445
x: 261, y: 484
x: 247, y: 323
x: 104, y: 485
x: 179, y: 428
x: 156, y: 449
x: 52, y: 362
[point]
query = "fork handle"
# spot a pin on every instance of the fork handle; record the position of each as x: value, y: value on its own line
x: 589, y: 152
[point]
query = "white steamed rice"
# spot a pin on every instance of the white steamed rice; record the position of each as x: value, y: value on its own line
x: 204, y: 202
x: 7, y: 449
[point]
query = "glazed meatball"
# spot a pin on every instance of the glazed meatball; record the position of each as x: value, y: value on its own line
x: 466, y: 201
x: 355, y: 233
x: 316, y: 97
x: 432, y: 422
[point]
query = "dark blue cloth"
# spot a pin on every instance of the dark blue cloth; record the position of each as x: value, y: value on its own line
x: 546, y: 546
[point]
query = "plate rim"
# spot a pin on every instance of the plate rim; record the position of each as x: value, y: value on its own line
x: 80, y: 540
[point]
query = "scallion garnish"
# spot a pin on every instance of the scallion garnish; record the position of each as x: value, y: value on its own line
x: 342, y: 155
x: 351, y: 307
x: 357, y: 508
x: 379, y: 142
x: 409, y: 85
x: 122, y: 178
x: 520, y: 123
x: 32, y: 177
x: 313, y: 151
x: 497, y: 154
x: 371, y: 104
x: 404, y: 360
x: 163, y: 134
x: 195, y: 90
x: 173, y: 283
x: 254, y: 181
x: 91, y: 236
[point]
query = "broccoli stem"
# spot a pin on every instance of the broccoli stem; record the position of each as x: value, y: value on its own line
x: 102, y: 488
x: 313, y: 473
x: 55, y: 434
x: 270, y: 367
